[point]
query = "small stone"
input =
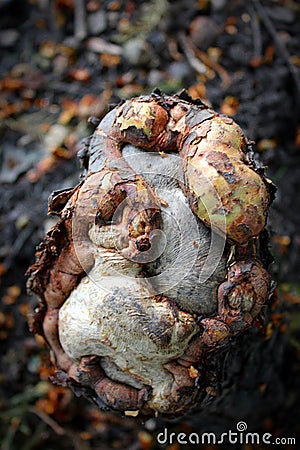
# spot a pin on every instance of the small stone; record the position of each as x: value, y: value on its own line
x: 218, y: 5
x: 134, y: 50
x: 60, y: 64
x: 179, y: 70
x: 155, y: 77
x: 8, y: 37
x: 22, y: 221
x: 97, y: 22
x: 204, y: 31
x: 15, y: 162
x: 55, y: 137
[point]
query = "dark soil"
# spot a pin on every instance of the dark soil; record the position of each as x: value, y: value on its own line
x: 243, y: 59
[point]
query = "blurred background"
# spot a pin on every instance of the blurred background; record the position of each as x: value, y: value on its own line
x: 65, y: 60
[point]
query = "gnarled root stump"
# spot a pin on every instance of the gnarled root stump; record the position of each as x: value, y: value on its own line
x: 157, y: 258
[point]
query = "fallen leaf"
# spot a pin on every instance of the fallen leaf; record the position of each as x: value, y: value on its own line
x: 80, y: 74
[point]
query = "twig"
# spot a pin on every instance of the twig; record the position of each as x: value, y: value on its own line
x: 256, y: 34
x: 8, y: 438
x: 55, y: 31
x: 223, y: 74
x: 74, y: 437
x: 48, y: 420
x: 35, y: 437
x: 18, y: 245
x: 279, y: 44
x: 80, y: 26
x: 200, y: 61
x: 194, y: 62
x: 100, y: 45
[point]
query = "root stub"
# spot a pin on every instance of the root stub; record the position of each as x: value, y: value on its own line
x: 136, y: 297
